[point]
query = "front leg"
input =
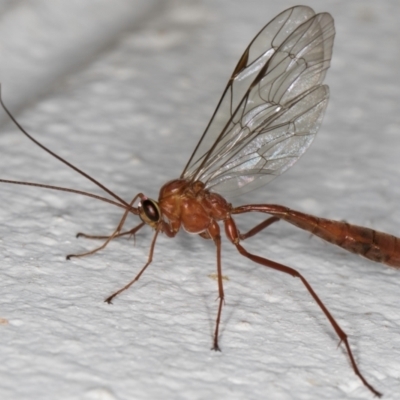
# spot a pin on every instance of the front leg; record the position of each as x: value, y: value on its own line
x: 131, y: 232
x: 115, y: 233
x: 162, y: 227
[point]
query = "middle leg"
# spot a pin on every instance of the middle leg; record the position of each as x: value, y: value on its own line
x: 214, y: 233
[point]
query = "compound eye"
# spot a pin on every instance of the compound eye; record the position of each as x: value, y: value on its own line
x: 150, y: 211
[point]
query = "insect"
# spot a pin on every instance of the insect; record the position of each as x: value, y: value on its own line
x: 268, y: 115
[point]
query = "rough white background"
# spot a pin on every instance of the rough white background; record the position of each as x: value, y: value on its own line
x: 129, y: 112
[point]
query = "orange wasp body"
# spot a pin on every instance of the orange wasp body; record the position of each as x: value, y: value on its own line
x: 266, y: 119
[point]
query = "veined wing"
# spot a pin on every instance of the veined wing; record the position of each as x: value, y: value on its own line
x: 271, y: 108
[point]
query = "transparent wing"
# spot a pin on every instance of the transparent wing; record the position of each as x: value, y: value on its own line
x: 271, y: 108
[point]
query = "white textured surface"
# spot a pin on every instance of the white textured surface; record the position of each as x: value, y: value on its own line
x: 42, y: 41
x: 130, y: 118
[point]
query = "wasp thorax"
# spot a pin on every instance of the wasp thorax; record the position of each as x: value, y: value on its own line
x: 149, y: 212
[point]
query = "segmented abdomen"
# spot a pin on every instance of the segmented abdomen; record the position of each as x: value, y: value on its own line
x: 375, y: 245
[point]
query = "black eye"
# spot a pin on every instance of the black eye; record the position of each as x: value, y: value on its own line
x: 151, y: 210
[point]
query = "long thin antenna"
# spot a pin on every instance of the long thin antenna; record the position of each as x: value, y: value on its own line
x: 64, y: 189
x: 60, y: 158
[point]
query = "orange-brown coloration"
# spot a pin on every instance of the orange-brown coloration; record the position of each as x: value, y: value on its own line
x: 273, y: 104
x: 197, y: 210
x: 374, y: 245
x: 190, y: 205
x: 194, y: 208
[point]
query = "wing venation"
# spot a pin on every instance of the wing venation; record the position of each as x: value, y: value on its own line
x: 271, y: 108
